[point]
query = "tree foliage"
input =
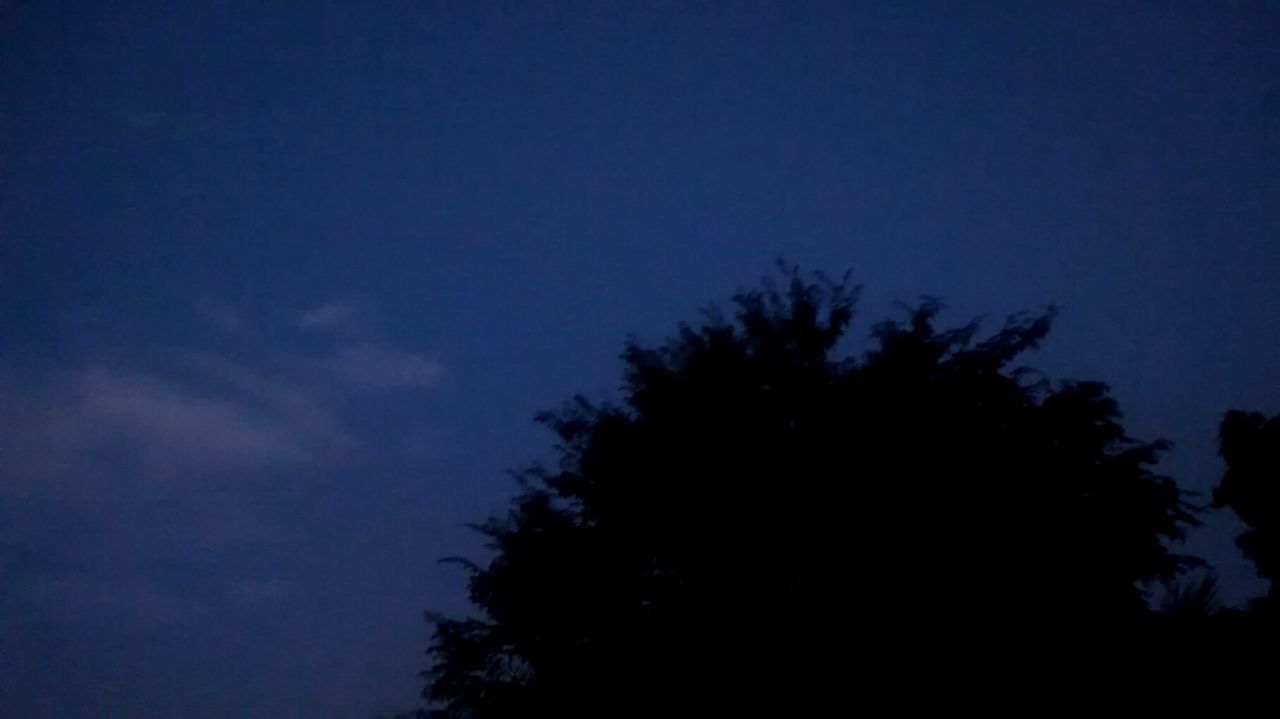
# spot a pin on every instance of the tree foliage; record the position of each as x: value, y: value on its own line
x: 1250, y: 445
x: 763, y: 509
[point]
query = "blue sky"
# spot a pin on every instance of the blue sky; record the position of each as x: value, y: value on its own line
x: 283, y: 284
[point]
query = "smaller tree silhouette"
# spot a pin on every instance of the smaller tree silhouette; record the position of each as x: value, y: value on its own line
x: 1250, y: 445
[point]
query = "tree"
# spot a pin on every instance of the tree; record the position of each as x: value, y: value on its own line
x: 1250, y: 445
x: 761, y: 510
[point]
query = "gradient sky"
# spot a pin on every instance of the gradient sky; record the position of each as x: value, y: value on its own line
x: 283, y: 283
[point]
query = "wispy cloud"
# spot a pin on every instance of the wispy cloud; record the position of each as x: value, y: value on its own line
x: 158, y: 431
x: 364, y: 361
x: 349, y: 317
x: 203, y: 412
x: 183, y: 420
x: 124, y: 468
x: 376, y: 367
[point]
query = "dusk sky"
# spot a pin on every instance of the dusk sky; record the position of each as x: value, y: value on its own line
x: 282, y: 284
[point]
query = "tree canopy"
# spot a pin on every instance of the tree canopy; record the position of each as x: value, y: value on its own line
x: 765, y: 508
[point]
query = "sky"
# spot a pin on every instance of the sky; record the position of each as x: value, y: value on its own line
x: 282, y: 284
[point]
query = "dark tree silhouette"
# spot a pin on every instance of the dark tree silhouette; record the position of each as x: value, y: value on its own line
x: 764, y: 519
x: 1250, y: 445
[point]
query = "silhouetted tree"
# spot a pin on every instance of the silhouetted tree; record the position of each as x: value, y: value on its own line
x: 1250, y: 445
x: 762, y: 514
x: 1192, y: 599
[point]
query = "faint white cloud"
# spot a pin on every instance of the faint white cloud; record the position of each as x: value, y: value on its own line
x: 286, y: 388
x: 182, y: 420
x: 120, y: 468
x: 376, y: 367
x: 104, y: 433
x: 365, y: 362
x: 204, y: 416
x: 347, y: 316
x: 189, y: 448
